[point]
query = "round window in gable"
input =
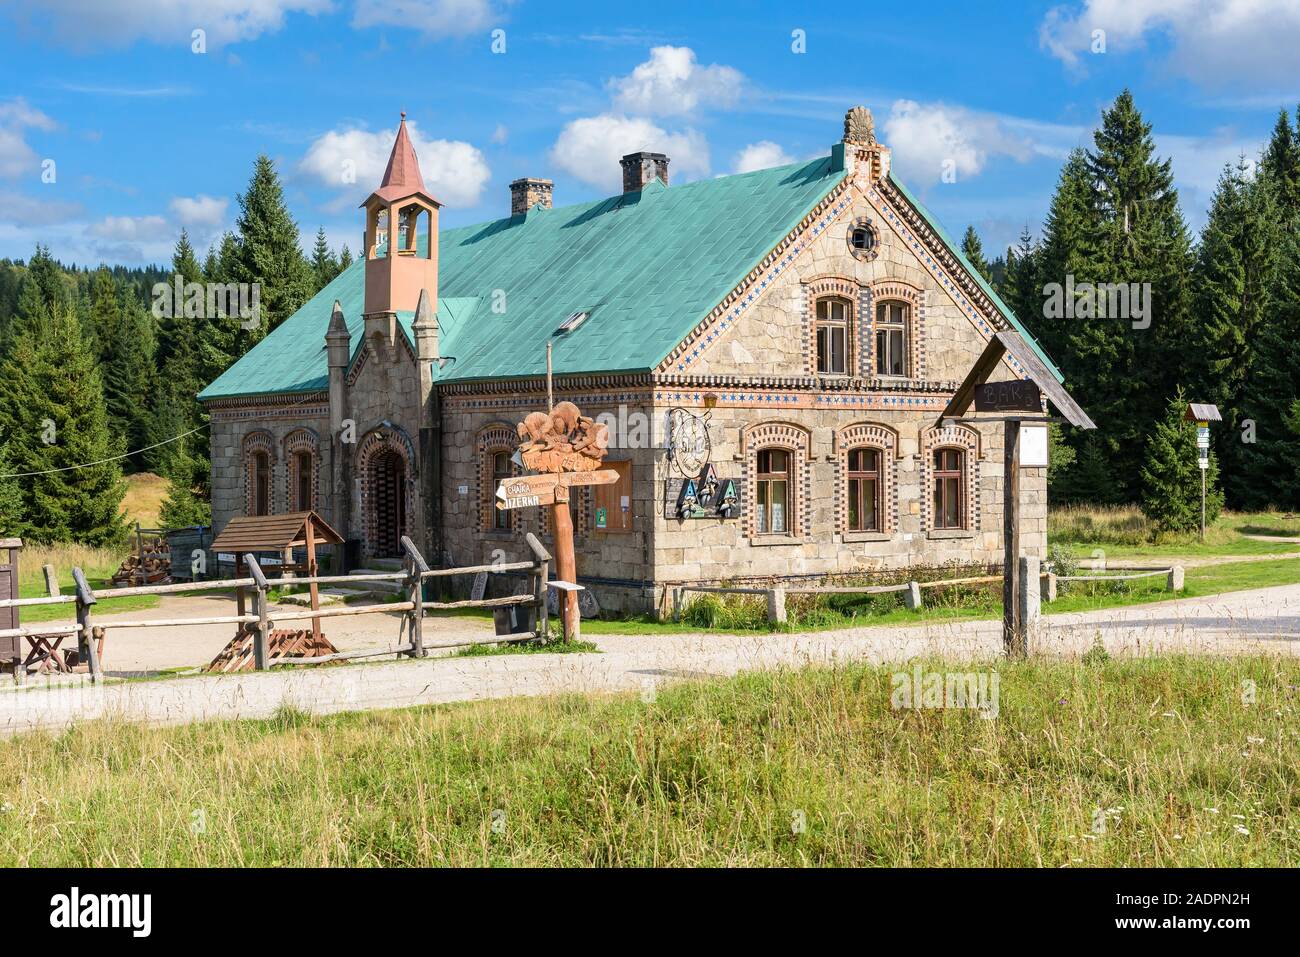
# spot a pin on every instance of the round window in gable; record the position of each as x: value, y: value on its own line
x: 863, y: 240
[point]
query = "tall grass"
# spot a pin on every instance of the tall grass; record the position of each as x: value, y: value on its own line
x: 1150, y: 762
x: 1126, y: 525
x: 95, y: 562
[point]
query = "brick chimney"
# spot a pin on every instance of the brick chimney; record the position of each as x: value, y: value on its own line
x: 529, y: 192
x: 640, y: 168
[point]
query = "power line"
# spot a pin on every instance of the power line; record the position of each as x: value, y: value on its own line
x: 113, y: 458
x: 156, y: 445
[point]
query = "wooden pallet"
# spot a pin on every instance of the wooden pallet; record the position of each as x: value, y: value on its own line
x: 283, y: 643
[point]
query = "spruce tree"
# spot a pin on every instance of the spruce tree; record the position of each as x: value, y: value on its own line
x: 1280, y: 167
x: 130, y: 379
x: 973, y: 250
x: 1123, y: 367
x: 1234, y: 279
x: 1171, y: 478
x: 1267, y: 440
x: 345, y: 257
x: 42, y: 290
x: 55, y: 425
x: 1068, y: 250
x: 324, y: 266
x: 184, y: 504
x: 269, y: 254
x: 11, y: 498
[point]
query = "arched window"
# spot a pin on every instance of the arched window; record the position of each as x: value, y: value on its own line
x: 260, y: 482
x: 833, y: 316
x: 302, y: 471
x: 949, y: 492
x: 892, y: 318
x: 773, y: 498
x: 865, y: 488
x: 500, y: 471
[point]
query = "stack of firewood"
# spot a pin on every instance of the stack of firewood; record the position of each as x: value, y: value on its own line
x: 151, y: 568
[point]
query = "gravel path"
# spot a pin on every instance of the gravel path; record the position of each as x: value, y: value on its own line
x: 1259, y: 621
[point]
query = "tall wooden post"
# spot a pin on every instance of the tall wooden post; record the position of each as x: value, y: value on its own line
x: 262, y: 635
x: 311, y: 573
x: 566, y: 563
x: 1013, y: 631
x: 86, y: 635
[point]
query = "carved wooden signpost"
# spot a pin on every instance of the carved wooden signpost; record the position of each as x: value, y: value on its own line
x: 567, y: 448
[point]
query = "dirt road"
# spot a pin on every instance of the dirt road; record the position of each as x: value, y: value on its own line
x: 1261, y: 621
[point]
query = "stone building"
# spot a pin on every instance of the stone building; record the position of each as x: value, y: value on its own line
x: 790, y: 334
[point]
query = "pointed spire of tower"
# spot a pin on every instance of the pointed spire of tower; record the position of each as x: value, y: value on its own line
x: 402, y: 176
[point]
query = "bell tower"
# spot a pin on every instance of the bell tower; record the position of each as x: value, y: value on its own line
x: 401, y: 242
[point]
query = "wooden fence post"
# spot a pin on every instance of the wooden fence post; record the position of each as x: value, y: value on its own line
x: 541, y: 574
x: 262, y: 637
x: 85, y: 636
x: 1049, y: 587
x: 51, y: 581
x: 415, y: 595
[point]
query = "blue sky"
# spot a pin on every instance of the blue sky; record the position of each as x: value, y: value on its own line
x: 146, y: 135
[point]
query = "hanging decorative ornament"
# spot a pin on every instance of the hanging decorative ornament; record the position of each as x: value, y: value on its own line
x: 689, y: 446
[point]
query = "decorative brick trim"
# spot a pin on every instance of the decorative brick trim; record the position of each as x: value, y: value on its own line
x: 936, y: 257
x: 837, y: 199
x: 387, y: 438
x: 489, y: 440
x: 259, y: 441
x: 831, y: 287
x: 795, y: 440
x: 873, y: 436
x: 915, y: 298
x: 968, y: 441
x: 294, y: 444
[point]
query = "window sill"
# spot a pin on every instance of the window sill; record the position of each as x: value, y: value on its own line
x: 763, y: 540
x: 848, y: 537
x: 950, y: 533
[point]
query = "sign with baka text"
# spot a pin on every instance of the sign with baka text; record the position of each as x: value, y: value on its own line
x: 1014, y: 395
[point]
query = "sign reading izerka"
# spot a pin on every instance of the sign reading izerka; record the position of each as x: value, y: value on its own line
x: 526, y: 491
x: 1014, y: 395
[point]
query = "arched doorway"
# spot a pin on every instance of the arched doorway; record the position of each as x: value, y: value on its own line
x: 387, y: 477
x: 388, y: 502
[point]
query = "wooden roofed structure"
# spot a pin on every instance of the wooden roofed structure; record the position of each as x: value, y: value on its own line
x: 245, y: 534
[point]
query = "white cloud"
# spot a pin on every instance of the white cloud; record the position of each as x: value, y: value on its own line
x: 205, y: 212
x: 431, y: 17
x: 590, y: 148
x: 762, y: 155
x: 1217, y: 43
x: 454, y: 172
x: 86, y: 24
x: 928, y: 139
x: 18, y: 209
x: 672, y: 83
x: 128, y: 228
x: 16, y: 157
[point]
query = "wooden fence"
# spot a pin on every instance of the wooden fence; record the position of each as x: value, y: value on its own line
x: 45, y: 638
x: 912, y: 597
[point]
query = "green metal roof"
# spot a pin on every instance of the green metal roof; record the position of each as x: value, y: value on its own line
x: 955, y: 248
x: 646, y: 266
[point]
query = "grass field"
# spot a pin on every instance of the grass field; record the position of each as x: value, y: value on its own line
x: 1123, y: 531
x: 1146, y: 762
x: 145, y: 492
x: 99, y: 564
